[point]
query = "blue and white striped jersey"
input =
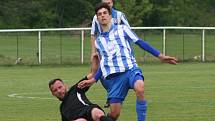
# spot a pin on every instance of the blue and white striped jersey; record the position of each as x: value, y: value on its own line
x: 115, y: 50
x: 117, y: 18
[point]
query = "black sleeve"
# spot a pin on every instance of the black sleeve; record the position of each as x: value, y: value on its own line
x: 63, y: 118
x: 84, y: 89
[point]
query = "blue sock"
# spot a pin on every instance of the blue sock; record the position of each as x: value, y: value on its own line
x: 141, y: 107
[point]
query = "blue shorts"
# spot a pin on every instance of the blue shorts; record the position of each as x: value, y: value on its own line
x: 118, y: 84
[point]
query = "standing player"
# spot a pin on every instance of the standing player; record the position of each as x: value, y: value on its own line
x: 117, y: 18
x: 75, y: 105
x: 118, y: 65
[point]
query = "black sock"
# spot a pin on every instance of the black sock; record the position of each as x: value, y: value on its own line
x: 112, y: 119
x: 107, y: 104
x: 105, y: 118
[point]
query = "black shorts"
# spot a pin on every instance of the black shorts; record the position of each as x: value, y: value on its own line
x: 85, y: 112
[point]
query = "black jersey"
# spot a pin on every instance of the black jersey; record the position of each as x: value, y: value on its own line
x: 75, y: 104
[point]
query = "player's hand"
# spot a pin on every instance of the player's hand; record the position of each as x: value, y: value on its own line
x: 86, y: 83
x: 168, y: 59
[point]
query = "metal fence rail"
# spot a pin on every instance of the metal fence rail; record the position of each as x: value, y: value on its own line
x: 83, y: 30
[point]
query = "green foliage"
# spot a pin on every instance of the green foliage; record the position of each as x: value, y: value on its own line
x: 181, y: 13
x: 134, y: 10
x: 76, y: 13
x: 42, y: 14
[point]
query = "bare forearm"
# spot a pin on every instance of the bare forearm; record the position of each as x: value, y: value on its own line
x: 94, y: 56
x: 93, y: 48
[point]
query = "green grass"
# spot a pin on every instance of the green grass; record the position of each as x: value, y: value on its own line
x: 184, y: 92
x: 64, y: 47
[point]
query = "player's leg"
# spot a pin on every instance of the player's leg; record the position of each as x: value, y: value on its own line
x: 115, y: 109
x: 107, y: 104
x: 80, y: 119
x: 136, y: 81
x: 99, y: 115
x: 141, y: 104
x: 117, y: 89
x: 139, y: 89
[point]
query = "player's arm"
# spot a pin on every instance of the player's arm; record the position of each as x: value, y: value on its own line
x: 93, y: 48
x: 94, y: 56
x: 94, y: 31
x: 144, y: 45
x: 89, y: 82
x: 147, y: 47
x: 85, y: 88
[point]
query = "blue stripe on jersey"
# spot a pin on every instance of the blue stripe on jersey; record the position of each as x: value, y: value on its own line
x: 130, y: 38
x: 109, y: 63
x: 115, y: 64
x: 123, y: 58
x: 115, y: 17
x: 129, y: 43
x: 114, y: 13
x: 103, y: 54
x: 124, y: 20
x: 115, y: 50
x: 130, y: 34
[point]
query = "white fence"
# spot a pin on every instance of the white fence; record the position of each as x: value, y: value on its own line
x: 203, y: 29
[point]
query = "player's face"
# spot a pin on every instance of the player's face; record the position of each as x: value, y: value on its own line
x: 103, y: 16
x: 58, y: 90
x: 109, y: 2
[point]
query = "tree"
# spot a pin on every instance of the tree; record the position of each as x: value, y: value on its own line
x: 76, y: 13
x: 135, y: 10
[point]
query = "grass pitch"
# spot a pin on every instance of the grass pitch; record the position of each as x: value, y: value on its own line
x: 184, y: 92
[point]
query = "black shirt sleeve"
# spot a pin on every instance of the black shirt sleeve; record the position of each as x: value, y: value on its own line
x: 83, y: 89
x: 63, y: 118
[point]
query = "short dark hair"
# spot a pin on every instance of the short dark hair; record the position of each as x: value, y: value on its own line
x: 51, y: 82
x: 102, y: 5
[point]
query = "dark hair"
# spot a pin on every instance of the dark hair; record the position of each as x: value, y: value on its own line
x: 51, y: 82
x: 102, y: 5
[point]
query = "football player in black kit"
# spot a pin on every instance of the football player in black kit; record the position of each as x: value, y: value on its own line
x: 75, y: 105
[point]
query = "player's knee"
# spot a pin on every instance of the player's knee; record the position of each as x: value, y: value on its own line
x: 97, y: 113
x: 139, y: 88
x: 139, y: 91
x: 80, y: 119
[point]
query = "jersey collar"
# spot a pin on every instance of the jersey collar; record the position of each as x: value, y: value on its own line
x: 106, y: 33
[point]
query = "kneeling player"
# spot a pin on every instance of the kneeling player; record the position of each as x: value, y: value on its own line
x: 75, y: 105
